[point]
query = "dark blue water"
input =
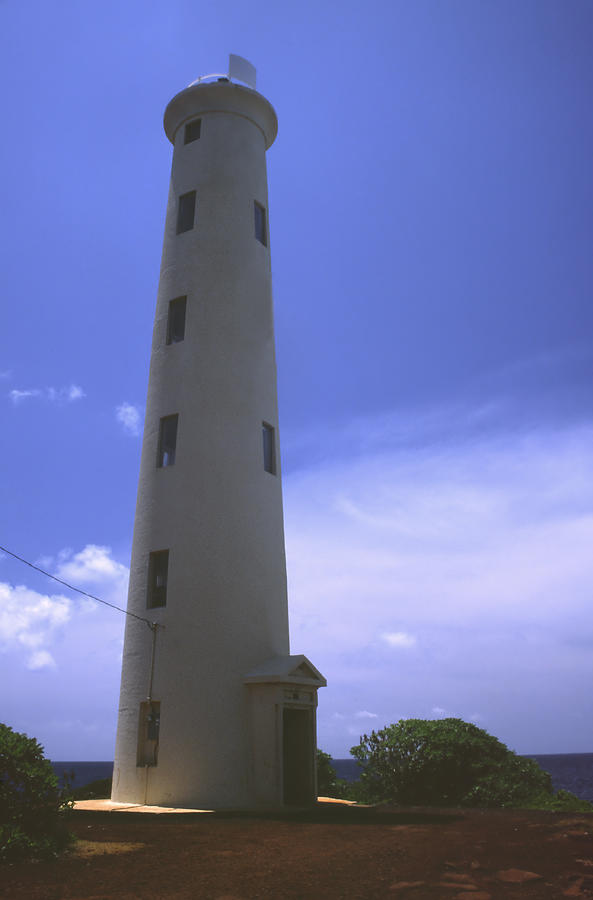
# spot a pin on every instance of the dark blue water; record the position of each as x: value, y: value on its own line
x: 346, y: 769
x: 570, y: 771
x: 84, y: 772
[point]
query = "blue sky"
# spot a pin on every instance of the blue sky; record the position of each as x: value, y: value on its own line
x: 431, y: 217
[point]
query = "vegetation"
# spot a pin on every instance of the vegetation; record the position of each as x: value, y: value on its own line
x: 100, y: 789
x: 327, y: 780
x: 32, y: 810
x: 449, y: 762
x: 561, y: 801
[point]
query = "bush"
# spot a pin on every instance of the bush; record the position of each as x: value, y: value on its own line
x: 327, y: 780
x: 446, y: 762
x: 31, y: 807
x: 561, y: 801
x: 328, y: 783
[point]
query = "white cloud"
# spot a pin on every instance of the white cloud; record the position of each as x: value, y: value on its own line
x: 29, y: 619
x: 365, y: 714
x: 92, y: 565
x: 41, y: 659
x: 75, y: 392
x: 398, y: 639
x: 61, y: 395
x: 61, y: 656
x: 129, y: 417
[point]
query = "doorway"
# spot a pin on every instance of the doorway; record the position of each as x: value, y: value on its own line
x: 298, y: 757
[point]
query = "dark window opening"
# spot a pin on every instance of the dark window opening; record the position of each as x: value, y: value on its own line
x: 192, y: 131
x: 158, y: 568
x: 260, y: 224
x: 148, y: 733
x: 167, y: 441
x: 176, y: 320
x: 269, y: 448
x: 186, y: 211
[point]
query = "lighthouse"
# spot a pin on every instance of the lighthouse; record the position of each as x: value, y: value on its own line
x: 214, y: 711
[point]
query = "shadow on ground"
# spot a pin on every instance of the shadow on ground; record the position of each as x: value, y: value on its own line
x: 322, y: 814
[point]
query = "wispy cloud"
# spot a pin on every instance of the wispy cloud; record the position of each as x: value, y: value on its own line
x: 75, y: 392
x: 545, y: 390
x: 5, y: 373
x: 398, y: 639
x: 129, y: 418
x: 479, y: 550
x: 61, y: 395
x: 41, y: 659
x: 18, y: 396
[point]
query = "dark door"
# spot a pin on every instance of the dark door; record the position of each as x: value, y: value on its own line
x: 298, y: 757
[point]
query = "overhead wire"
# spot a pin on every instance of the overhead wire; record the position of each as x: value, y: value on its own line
x: 78, y: 590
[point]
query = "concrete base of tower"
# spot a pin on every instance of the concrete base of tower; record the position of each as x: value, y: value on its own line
x: 274, y: 763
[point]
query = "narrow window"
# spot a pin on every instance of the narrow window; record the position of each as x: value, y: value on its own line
x: 260, y: 224
x: 192, y: 131
x: 176, y: 320
x: 269, y: 448
x: 185, y: 212
x: 167, y: 441
x: 148, y: 733
x: 158, y: 567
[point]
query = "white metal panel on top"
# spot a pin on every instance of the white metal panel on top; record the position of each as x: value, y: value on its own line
x: 239, y: 68
x: 242, y: 70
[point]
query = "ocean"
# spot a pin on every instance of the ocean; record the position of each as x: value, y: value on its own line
x: 84, y: 772
x: 570, y: 771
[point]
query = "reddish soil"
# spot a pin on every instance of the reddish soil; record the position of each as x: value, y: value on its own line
x: 329, y: 852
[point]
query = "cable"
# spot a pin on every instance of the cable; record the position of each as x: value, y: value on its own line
x: 78, y: 590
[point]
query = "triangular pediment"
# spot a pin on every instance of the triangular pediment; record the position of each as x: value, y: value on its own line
x: 306, y: 670
x: 286, y: 670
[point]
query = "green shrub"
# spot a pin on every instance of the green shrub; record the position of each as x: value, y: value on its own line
x: 446, y: 762
x: 328, y: 783
x: 99, y: 789
x: 561, y: 801
x: 327, y: 780
x: 32, y: 821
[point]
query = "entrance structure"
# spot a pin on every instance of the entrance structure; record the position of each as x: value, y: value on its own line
x: 214, y: 712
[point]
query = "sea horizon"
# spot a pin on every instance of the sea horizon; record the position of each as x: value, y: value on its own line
x: 341, y: 758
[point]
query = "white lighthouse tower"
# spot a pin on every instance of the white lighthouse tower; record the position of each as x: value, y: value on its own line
x: 214, y: 712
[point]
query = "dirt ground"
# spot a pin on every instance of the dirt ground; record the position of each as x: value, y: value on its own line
x: 329, y: 852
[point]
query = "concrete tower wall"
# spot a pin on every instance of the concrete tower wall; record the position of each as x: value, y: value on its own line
x: 216, y: 509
